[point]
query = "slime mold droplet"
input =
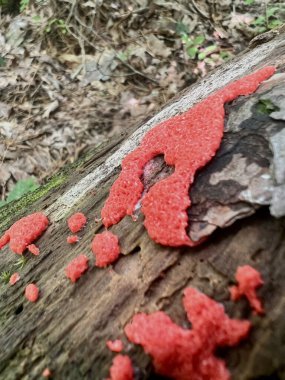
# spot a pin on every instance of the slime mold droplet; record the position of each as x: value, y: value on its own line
x: 106, y: 249
x: 24, y: 232
x: 121, y: 368
x: 248, y: 280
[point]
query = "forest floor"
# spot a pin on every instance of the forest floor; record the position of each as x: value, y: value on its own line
x: 74, y: 73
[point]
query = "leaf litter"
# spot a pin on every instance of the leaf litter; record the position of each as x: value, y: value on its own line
x: 73, y: 75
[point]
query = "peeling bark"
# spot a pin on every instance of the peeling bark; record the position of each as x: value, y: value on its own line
x: 236, y: 201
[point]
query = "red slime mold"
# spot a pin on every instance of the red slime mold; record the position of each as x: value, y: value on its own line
x: 72, y: 239
x: 121, y: 368
x: 76, y: 222
x: 106, y: 249
x: 184, y: 354
x: 26, y: 230
x: 248, y: 280
x: 33, y: 249
x: 46, y: 372
x: 188, y: 141
x: 32, y: 292
x: 15, y: 277
x: 76, y: 267
x: 115, y: 345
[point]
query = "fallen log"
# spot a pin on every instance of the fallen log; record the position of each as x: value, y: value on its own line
x: 238, y: 203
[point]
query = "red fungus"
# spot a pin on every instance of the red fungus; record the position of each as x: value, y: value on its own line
x: 24, y: 232
x: 33, y: 249
x: 106, y: 249
x: 15, y: 277
x: 115, y: 345
x: 76, y: 267
x: 72, y: 239
x: 32, y: 292
x: 248, y: 280
x: 121, y: 368
x: 188, y: 354
x: 76, y: 222
x: 188, y: 141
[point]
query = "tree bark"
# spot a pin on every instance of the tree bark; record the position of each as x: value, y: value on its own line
x: 238, y: 202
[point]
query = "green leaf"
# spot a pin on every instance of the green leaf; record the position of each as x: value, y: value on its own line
x: 21, y: 262
x: 181, y: 28
x: 21, y: 188
x: 248, y: 2
x: 201, y: 56
x: 185, y: 38
x: 274, y: 23
x: 5, y: 276
x: 259, y: 21
x: 210, y: 49
x: 266, y: 106
x: 271, y: 11
x: 198, y: 40
x: 192, y: 51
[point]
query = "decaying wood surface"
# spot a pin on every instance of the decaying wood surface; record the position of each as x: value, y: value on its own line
x: 238, y: 201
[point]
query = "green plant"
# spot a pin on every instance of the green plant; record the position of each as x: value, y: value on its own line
x: 269, y: 20
x: 5, y: 276
x: 24, y: 4
x: 192, y: 45
x: 207, y: 51
x: 21, y: 262
x: 21, y: 188
x: 57, y: 24
x: 249, y: 2
x: 266, y: 106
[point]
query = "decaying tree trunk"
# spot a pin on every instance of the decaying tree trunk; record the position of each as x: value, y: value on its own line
x: 238, y: 201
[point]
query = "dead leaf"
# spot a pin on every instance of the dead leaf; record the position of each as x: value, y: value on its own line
x: 50, y: 108
x: 157, y: 47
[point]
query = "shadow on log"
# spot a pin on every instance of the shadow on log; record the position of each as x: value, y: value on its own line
x: 238, y: 203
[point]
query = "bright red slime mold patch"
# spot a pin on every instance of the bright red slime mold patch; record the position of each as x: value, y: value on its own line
x: 72, y: 239
x: 33, y: 249
x: 115, y: 345
x: 32, y: 292
x: 184, y: 354
x: 76, y: 267
x: 249, y: 279
x: 15, y: 277
x: 24, y: 232
x: 76, y: 222
x: 121, y: 368
x: 106, y: 249
x: 188, y: 141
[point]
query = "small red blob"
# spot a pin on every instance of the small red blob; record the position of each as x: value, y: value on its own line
x: 46, y: 372
x: 76, y: 222
x: 72, y: 239
x: 33, y: 249
x: 115, y: 345
x: 106, y: 249
x: 14, y: 278
x: 24, y: 232
x: 121, y: 368
x: 76, y: 267
x: 32, y: 292
x: 188, y: 141
x: 248, y: 280
x: 183, y: 354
